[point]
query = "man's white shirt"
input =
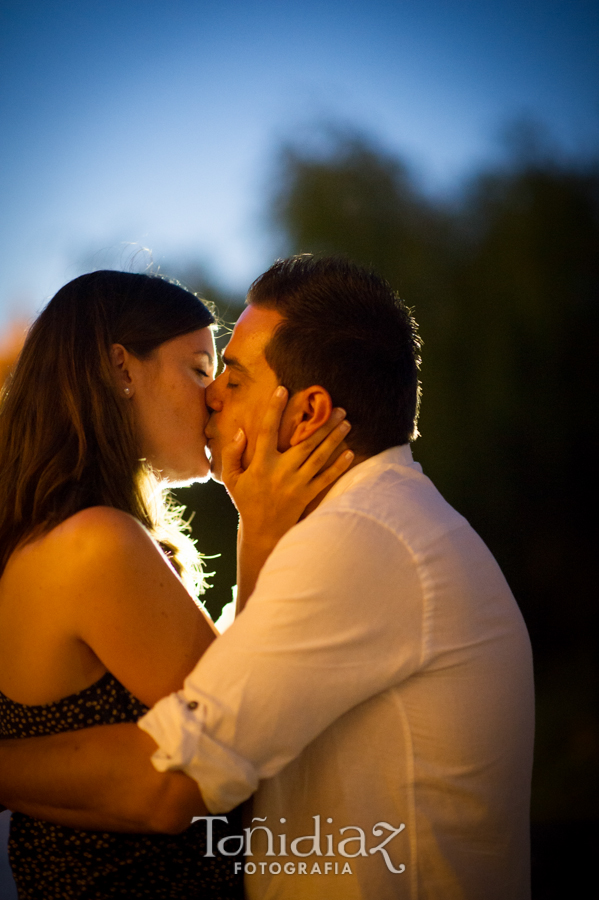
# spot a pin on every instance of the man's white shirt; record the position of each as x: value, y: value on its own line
x: 380, y: 676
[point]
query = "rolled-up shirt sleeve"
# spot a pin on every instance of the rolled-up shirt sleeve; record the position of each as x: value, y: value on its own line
x: 321, y: 634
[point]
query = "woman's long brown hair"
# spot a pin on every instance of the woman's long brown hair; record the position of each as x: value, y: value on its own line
x: 67, y: 440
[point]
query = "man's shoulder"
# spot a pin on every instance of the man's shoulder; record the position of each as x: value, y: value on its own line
x: 391, y: 491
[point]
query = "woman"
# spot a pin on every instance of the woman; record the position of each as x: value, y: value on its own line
x: 105, y: 408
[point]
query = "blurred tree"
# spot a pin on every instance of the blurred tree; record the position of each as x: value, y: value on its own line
x: 529, y: 285
x: 228, y: 304
x: 364, y: 202
x: 505, y: 286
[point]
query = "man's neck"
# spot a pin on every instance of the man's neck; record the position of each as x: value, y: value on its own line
x: 320, y: 497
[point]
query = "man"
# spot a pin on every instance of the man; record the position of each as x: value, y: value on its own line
x: 375, y: 695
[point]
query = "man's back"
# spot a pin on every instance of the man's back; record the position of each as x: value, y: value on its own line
x: 446, y: 748
x: 382, y: 678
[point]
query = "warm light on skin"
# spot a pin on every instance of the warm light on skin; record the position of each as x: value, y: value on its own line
x: 240, y: 394
x: 167, y: 394
x: 238, y: 398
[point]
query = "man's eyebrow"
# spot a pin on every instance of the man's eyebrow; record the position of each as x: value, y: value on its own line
x: 233, y: 363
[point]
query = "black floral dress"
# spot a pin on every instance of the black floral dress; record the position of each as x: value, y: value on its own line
x: 52, y: 861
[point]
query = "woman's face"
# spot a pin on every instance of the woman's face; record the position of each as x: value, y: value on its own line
x: 166, y: 391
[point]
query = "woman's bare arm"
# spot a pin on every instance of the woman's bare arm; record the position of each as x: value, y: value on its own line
x: 97, y: 778
x: 109, y: 586
x: 104, y: 583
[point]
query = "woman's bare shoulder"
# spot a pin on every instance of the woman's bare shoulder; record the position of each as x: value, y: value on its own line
x: 91, y: 542
x: 109, y: 586
x: 99, y: 522
x: 100, y: 530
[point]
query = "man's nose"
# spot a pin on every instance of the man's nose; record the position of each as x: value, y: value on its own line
x: 213, y: 401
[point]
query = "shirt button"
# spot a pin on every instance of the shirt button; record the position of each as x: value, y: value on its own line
x: 193, y: 704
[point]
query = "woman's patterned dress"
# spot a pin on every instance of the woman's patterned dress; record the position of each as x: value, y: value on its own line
x: 51, y: 861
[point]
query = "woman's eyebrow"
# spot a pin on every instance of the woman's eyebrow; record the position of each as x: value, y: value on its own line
x: 206, y: 354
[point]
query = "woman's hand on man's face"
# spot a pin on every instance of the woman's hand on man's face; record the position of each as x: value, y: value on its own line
x: 277, y: 487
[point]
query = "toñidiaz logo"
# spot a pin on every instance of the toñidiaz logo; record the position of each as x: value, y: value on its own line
x: 335, y: 849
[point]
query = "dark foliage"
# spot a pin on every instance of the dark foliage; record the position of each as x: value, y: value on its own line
x: 505, y: 286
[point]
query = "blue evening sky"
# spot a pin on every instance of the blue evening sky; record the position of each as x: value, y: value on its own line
x: 157, y: 124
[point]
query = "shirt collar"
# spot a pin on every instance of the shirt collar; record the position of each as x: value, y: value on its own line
x: 391, y: 458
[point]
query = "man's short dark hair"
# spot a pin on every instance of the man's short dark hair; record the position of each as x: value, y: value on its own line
x: 346, y: 330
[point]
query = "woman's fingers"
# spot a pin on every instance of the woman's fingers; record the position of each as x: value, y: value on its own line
x: 316, y: 448
x: 277, y: 486
x: 313, y: 452
x: 266, y: 440
x: 268, y: 432
x: 323, y: 452
x: 306, y: 445
x: 231, y: 460
x: 316, y: 473
x: 332, y: 472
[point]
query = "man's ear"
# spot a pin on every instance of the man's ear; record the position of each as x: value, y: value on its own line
x: 120, y: 359
x: 309, y: 409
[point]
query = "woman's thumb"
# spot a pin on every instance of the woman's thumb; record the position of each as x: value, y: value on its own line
x: 231, y: 459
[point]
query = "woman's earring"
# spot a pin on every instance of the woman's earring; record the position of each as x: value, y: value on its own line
x: 127, y: 391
